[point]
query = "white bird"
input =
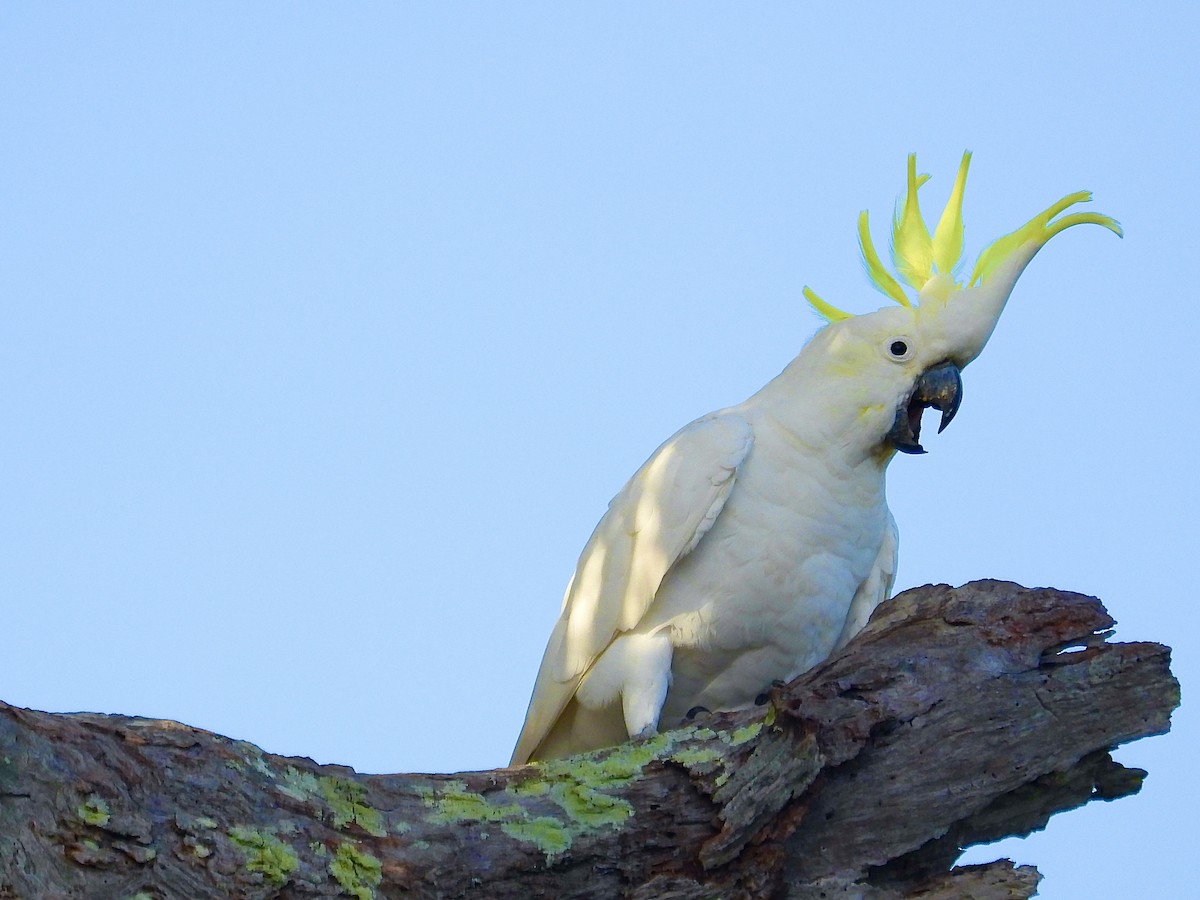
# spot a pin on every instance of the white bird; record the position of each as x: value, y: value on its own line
x: 757, y: 540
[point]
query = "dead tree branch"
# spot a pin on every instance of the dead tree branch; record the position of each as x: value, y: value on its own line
x: 958, y: 716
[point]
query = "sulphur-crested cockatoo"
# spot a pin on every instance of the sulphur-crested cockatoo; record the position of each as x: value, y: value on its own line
x: 757, y: 540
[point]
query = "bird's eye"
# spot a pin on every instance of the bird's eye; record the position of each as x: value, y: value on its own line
x: 899, y: 349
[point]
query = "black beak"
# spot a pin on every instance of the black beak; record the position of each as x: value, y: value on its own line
x: 939, y: 387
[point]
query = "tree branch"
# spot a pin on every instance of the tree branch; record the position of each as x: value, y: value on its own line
x: 958, y: 716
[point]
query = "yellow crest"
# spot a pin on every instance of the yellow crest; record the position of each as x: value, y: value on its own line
x: 917, y: 256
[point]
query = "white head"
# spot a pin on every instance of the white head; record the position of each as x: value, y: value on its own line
x: 898, y: 360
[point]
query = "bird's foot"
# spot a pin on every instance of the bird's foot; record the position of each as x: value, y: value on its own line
x: 765, y: 697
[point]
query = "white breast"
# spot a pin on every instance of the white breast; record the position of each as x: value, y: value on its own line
x: 765, y: 594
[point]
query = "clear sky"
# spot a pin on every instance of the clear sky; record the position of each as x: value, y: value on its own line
x: 329, y: 330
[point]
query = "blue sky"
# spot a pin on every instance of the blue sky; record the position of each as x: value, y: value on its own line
x: 330, y: 329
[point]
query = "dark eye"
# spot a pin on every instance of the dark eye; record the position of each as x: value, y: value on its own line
x: 898, y: 348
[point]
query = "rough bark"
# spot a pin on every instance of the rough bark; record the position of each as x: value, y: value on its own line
x: 958, y: 716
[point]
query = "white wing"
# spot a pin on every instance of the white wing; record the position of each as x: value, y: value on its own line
x: 657, y: 519
x: 876, y: 587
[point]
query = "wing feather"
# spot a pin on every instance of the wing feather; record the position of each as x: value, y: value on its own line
x: 658, y: 518
x: 876, y: 587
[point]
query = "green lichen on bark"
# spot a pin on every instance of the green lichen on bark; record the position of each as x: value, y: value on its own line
x: 545, y: 832
x: 356, y: 871
x: 298, y: 785
x: 585, y: 791
x: 347, y: 802
x: 94, y: 811
x: 455, y: 802
x: 265, y: 853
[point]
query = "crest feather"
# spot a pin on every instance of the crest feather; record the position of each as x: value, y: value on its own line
x: 912, y: 247
x: 880, y: 277
x: 1039, y: 230
x: 916, y: 255
x: 825, y: 310
x: 948, y: 237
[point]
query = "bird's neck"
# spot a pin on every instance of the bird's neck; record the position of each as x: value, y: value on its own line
x: 817, y: 421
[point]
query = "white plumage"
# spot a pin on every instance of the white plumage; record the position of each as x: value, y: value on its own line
x: 757, y: 540
x: 717, y: 569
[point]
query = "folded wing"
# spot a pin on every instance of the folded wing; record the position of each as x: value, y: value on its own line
x: 659, y: 517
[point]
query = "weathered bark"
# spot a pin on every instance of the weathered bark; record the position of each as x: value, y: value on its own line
x: 957, y: 716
